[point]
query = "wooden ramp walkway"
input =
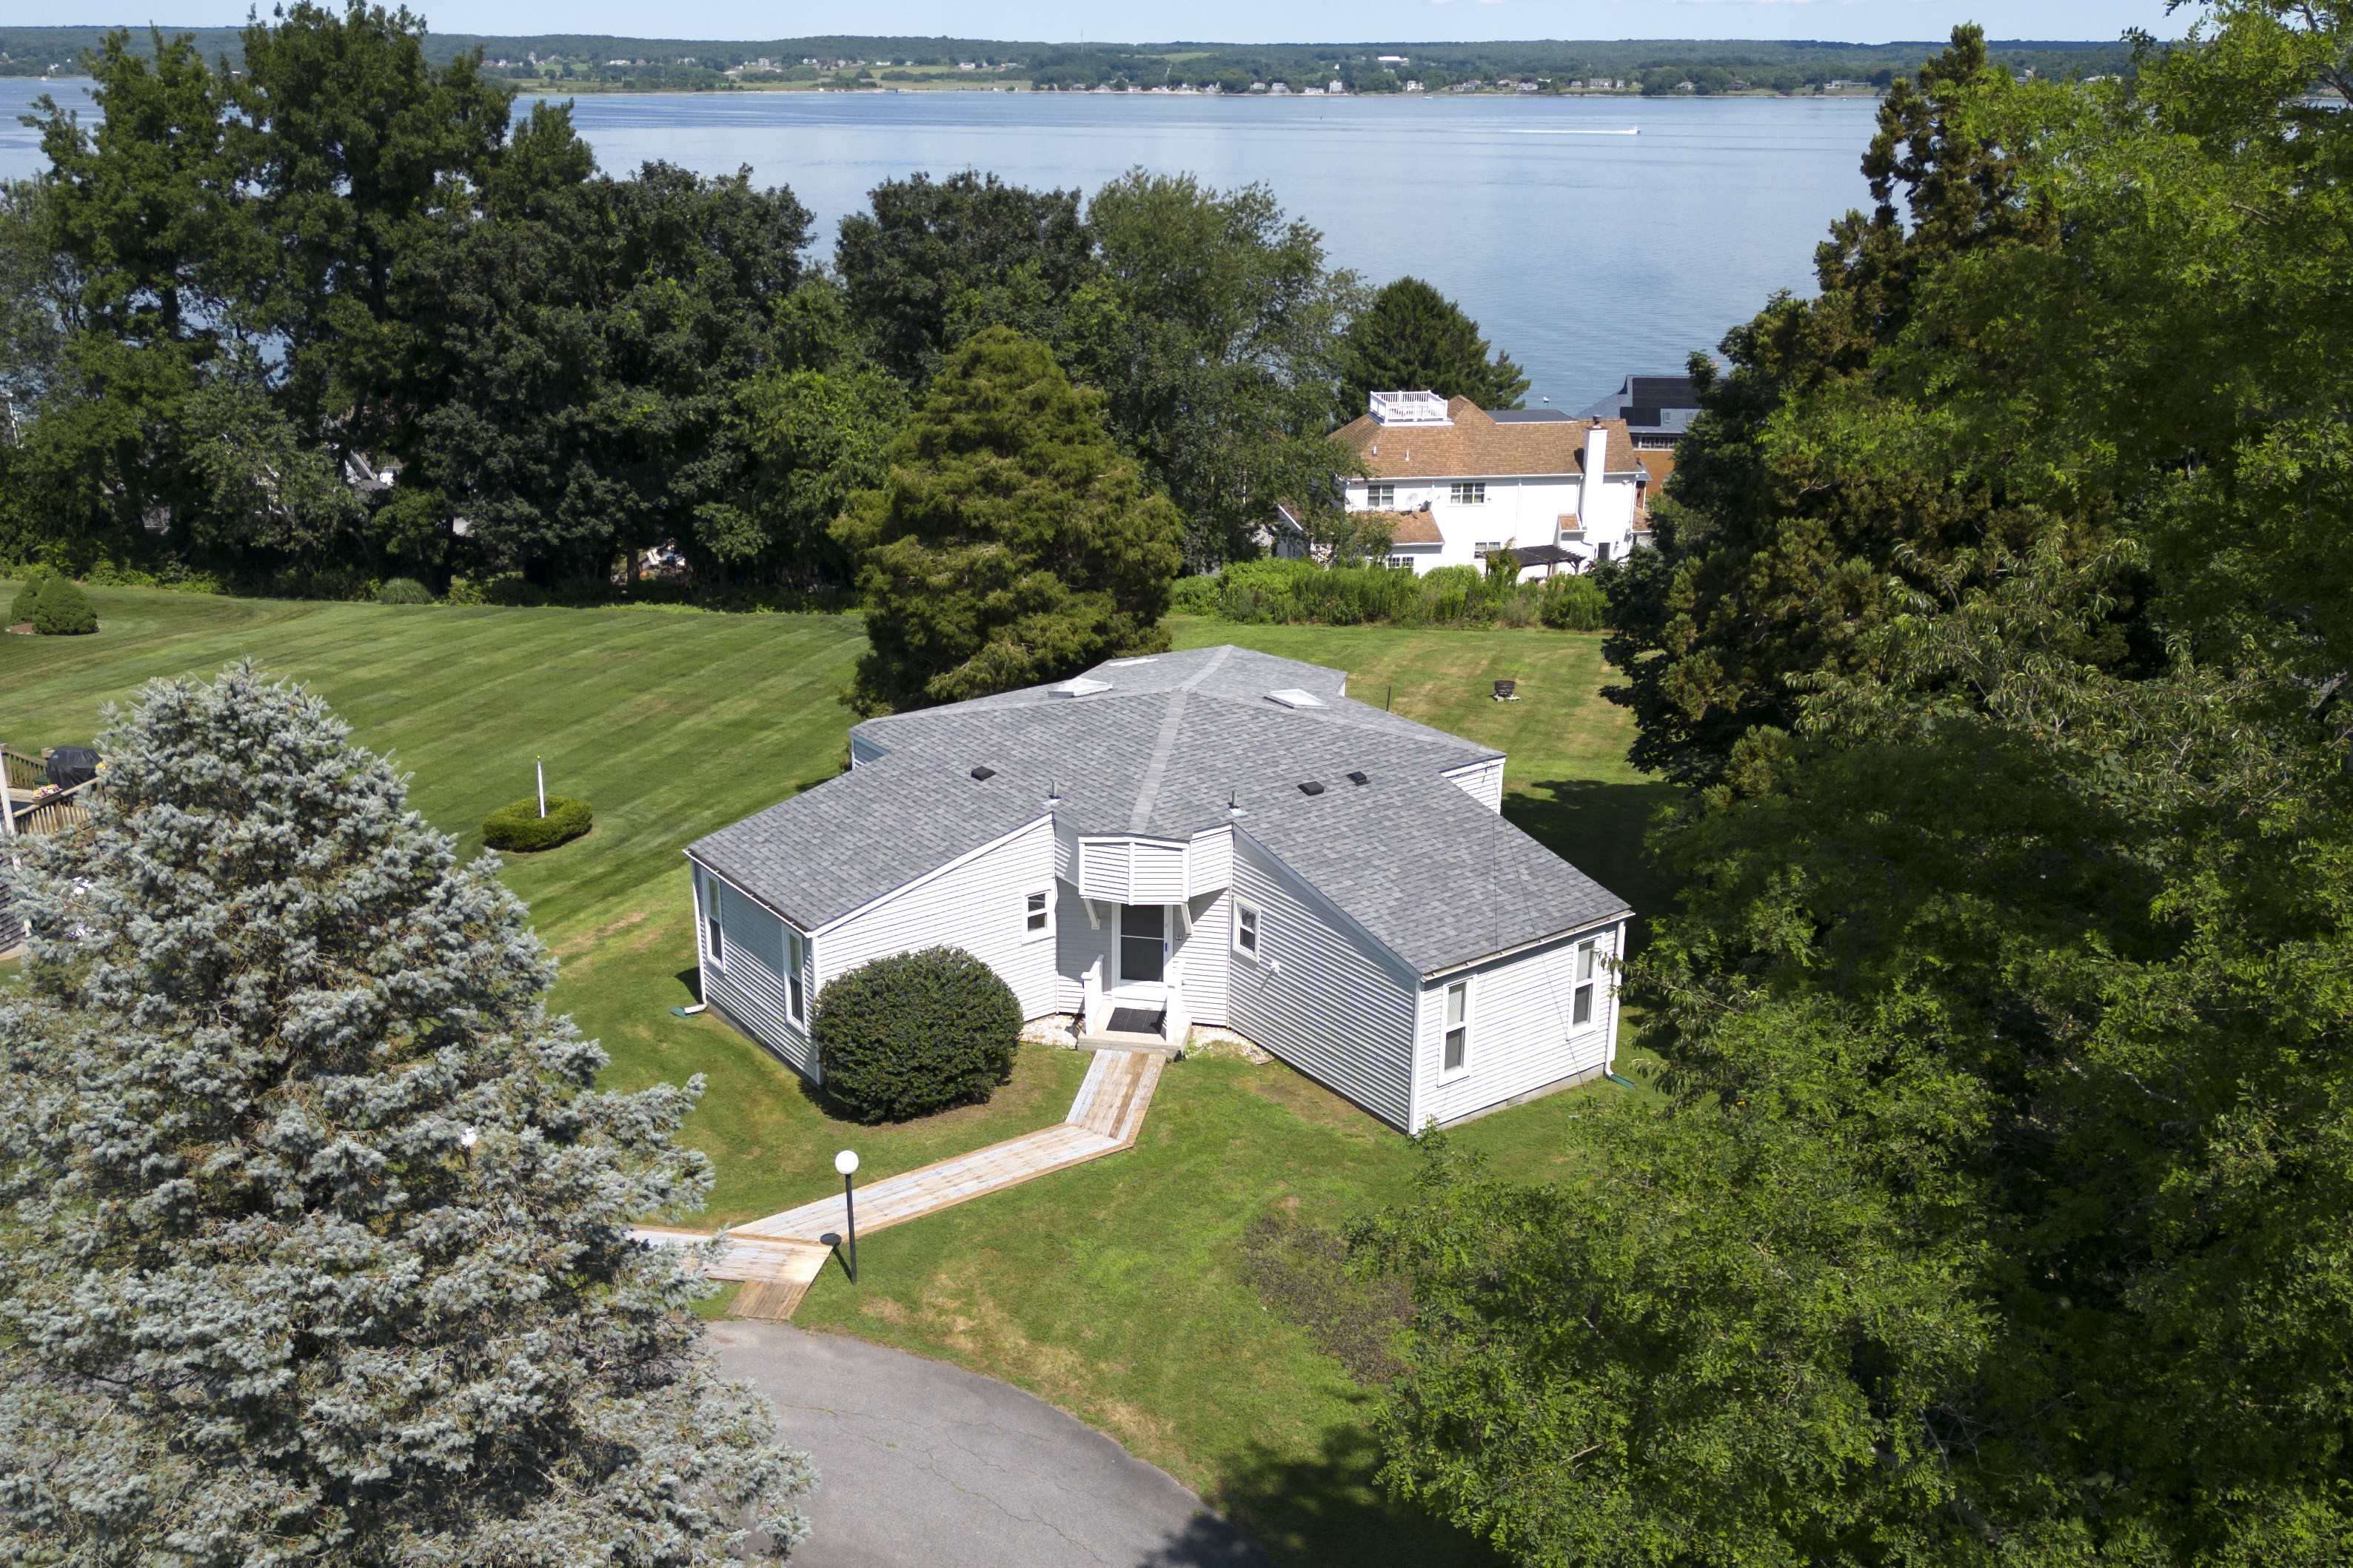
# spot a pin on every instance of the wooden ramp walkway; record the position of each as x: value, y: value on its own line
x: 777, y: 1258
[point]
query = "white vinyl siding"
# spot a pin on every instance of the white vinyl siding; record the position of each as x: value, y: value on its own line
x: 1203, y: 958
x: 1323, y: 997
x: 1080, y: 944
x: 1209, y: 862
x: 976, y: 905
x: 1132, y: 870
x: 1482, y: 781
x: 752, y: 982
x: 1522, y: 1030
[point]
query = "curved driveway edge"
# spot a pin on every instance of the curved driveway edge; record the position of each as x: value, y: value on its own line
x: 920, y: 1463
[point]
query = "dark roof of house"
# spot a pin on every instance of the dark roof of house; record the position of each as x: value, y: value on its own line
x: 1160, y: 753
x: 1660, y: 404
x: 1529, y: 415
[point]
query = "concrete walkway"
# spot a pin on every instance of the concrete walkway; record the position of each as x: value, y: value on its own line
x: 920, y: 1463
x: 778, y: 1258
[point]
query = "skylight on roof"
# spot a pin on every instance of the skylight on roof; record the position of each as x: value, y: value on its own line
x: 1080, y: 685
x: 1124, y: 663
x: 1292, y: 696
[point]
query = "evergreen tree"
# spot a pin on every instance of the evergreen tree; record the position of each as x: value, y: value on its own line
x: 1012, y: 543
x: 1775, y: 543
x: 320, y: 1240
x: 1413, y: 338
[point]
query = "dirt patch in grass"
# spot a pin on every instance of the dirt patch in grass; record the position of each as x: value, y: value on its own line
x: 1300, y: 1270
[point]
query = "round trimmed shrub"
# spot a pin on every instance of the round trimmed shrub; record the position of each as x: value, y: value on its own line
x: 62, y: 609
x: 916, y: 1033
x: 21, y: 609
x: 409, y: 591
x: 520, y: 826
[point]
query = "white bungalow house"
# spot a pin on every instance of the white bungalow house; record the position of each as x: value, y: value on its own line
x: 1458, y: 481
x: 1216, y: 837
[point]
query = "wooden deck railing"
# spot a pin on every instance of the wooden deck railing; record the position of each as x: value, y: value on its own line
x: 27, y: 809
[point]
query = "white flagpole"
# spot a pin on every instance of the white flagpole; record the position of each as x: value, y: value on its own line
x: 542, y: 785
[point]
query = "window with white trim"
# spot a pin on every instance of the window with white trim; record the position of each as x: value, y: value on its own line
x: 1380, y: 498
x: 793, y: 961
x: 1246, y: 930
x: 1400, y: 563
x: 1458, y: 1027
x: 1469, y: 492
x: 1038, y: 914
x: 714, y: 939
x: 1581, y: 1010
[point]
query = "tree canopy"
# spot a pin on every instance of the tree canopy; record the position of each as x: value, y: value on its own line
x: 1011, y: 543
x: 1412, y: 338
x: 319, y: 1238
x: 1995, y: 1209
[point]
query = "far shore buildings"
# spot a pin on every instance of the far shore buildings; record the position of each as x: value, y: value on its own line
x: 1454, y: 482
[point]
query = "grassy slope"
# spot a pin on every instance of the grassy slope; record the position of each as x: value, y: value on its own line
x: 1109, y: 1290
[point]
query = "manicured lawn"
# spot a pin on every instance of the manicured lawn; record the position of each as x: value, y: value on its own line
x: 1111, y: 1289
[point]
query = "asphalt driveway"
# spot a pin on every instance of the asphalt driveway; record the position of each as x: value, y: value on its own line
x: 920, y: 1463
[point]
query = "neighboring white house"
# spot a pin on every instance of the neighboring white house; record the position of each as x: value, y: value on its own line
x: 1215, y: 838
x: 1459, y: 481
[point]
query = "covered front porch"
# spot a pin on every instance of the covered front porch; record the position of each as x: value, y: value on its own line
x: 1144, y: 974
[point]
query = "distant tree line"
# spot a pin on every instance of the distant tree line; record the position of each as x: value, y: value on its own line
x: 336, y: 316
x: 1659, y: 64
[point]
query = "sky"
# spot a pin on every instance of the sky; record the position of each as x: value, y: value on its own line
x: 1220, y: 21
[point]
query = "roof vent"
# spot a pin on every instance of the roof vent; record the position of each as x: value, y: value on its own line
x: 1359, y: 780
x: 984, y: 774
x: 1124, y: 663
x: 1292, y: 696
x: 1311, y: 787
x: 1080, y: 685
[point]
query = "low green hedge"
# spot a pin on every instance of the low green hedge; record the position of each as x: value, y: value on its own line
x: 406, y: 591
x: 62, y: 609
x: 1280, y: 592
x: 520, y: 826
x: 916, y: 1033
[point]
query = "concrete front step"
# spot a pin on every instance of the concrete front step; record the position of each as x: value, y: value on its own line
x: 1120, y: 1040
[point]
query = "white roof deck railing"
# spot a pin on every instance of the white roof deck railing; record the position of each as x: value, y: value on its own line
x: 1409, y: 408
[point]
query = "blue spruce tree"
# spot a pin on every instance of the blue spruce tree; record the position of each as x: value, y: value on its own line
x: 320, y: 1243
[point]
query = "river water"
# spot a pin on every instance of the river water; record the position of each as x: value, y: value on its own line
x: 1585, y: 251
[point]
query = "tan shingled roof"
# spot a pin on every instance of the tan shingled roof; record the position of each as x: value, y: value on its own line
x: 1475, y: 446
x: 1407, y: 527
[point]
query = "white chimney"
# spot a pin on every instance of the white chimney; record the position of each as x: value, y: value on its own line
x: 1597, y: 465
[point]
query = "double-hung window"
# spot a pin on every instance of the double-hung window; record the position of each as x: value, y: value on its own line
x: 1457, y: 1026
x: 1246, y: 930
x: 1038, y: 914
x: 1380, y: 498
x: 715, y: 939
x: 1469, y: 492
x: 793, y: 960
x: 1581, y: 1013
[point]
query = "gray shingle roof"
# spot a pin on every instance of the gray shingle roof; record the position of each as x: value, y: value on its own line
x: 1425, y: 870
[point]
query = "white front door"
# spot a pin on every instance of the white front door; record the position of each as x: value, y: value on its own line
x: 1143, y: 955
